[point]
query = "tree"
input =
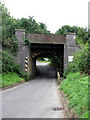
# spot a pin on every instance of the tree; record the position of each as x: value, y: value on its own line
x: 9, y: 25
x: 81, y: 33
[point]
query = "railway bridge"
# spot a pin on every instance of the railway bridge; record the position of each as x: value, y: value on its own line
x: 43, y: 45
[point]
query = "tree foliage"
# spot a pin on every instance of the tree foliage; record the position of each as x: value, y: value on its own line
x: 7, y: 62
x: 57, y: 62
x: 9, y: 24
x: 31, y: 26
x: 81, y: 33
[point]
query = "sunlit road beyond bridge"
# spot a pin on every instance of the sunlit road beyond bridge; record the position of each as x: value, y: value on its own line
x: 34, y: 99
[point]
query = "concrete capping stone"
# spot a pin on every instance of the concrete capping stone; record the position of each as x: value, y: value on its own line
x: 22, y: 30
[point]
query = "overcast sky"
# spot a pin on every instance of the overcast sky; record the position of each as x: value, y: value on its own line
x: 54, y: 13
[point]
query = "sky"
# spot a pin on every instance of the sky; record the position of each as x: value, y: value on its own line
x: 54, y: 13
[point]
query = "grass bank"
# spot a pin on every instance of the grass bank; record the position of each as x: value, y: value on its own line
x: 10, y: 79
x: 75, y: 87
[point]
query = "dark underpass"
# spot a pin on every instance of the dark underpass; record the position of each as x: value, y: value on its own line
x: 45, y: 71
x: 44, y: 50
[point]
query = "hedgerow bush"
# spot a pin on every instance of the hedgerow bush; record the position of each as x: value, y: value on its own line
x: 26, y: 76
x: 75, y: 87
x: 14, y: 45
x: 70, y: 68
x: 57, y: 63
x: 8, y: 64
x: 81, y: 61
x: 17, y: 69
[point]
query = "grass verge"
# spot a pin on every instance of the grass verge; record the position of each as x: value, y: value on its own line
x: 75, y: 87
x: 10, y: 79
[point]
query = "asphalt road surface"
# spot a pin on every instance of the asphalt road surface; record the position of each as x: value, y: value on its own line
x: 34, y: 99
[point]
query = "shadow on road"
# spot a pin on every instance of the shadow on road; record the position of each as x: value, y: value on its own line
x: 45, y: 71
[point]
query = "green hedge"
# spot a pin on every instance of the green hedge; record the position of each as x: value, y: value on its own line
x: 8, y: 64
x: 75, y: 88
